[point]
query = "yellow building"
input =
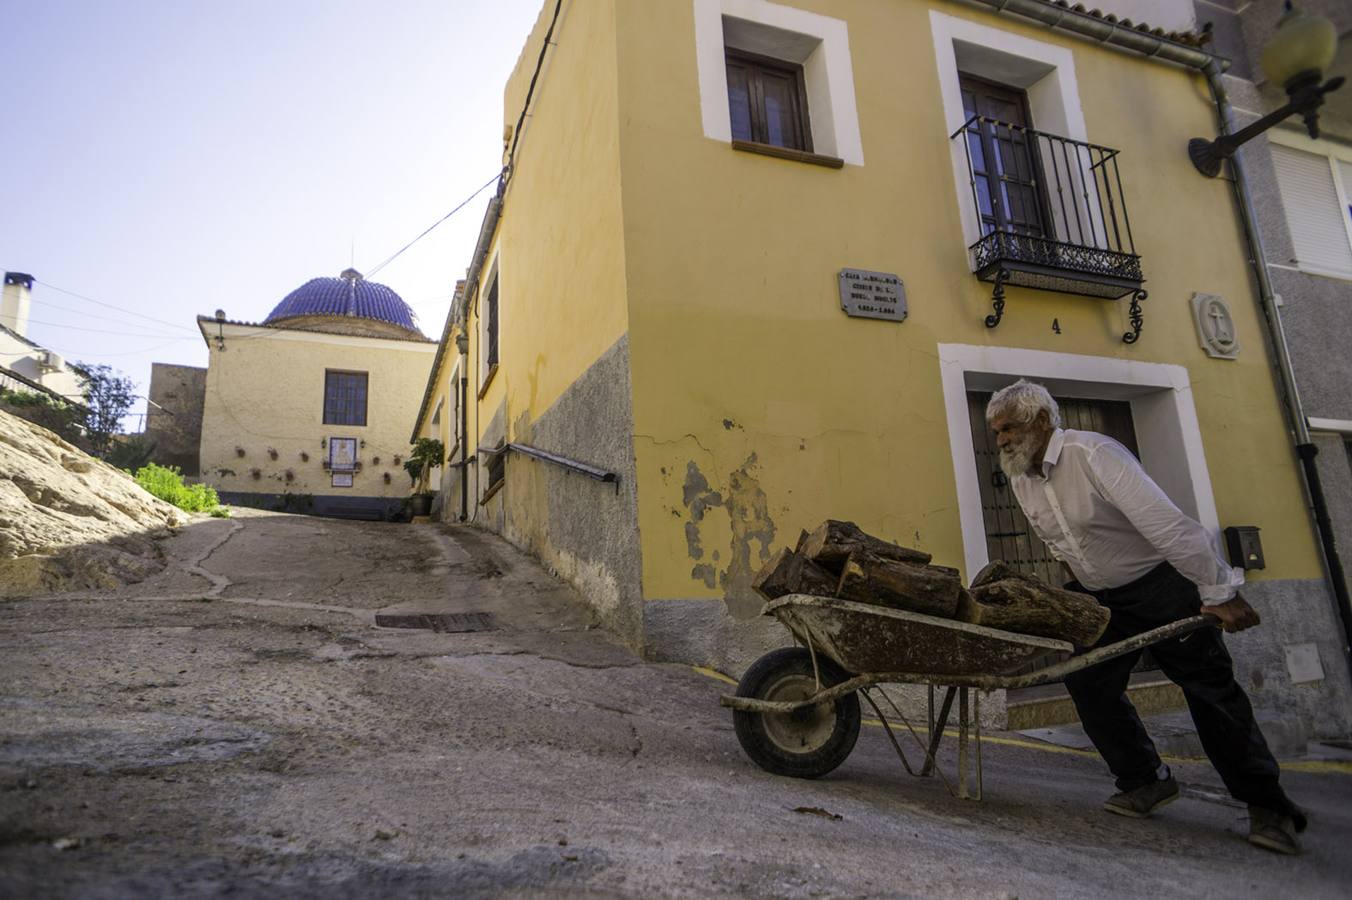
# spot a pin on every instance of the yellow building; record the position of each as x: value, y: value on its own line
x: 309, y: 409
x: 756, y: 264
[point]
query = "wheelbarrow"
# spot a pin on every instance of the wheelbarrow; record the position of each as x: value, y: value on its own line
x: 796, y: 711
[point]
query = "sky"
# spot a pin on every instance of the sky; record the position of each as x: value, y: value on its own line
x: 167, y: 158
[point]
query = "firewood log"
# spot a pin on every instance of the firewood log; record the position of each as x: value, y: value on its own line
x: 834, y: 541
x: 998, y: 571
x: 1027, y: 606
x: 791, y: 573
x: 895, y: 584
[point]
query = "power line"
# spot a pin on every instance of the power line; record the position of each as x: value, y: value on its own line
x: 112, y: 306
x: 104, y: 331
x: 457, y: 209
x: 47, y: 304
x: 97, y: 355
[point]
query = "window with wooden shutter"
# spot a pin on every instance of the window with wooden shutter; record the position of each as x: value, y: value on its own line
x: 767, y: 101
x: 1316, y: 212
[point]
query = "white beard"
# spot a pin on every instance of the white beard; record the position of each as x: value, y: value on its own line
x: 1016, y: 458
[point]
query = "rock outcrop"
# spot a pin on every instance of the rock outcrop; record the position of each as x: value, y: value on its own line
x: 69, y: 521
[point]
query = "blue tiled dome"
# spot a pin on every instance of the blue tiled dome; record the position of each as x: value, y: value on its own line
x: 347, y: 295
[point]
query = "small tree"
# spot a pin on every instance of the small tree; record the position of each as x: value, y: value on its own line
x: 428, y: 453
x: 109, y: 396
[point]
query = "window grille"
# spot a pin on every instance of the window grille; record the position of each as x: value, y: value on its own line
x: 344, y: 398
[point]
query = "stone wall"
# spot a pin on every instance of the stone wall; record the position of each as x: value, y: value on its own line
x: 174, y: 415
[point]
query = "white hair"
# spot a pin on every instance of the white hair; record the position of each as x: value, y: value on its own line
x: 1022, y: 401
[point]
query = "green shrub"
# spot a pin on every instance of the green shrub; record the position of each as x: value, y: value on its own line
x: 167, y: 484
x: 46, y: 411
x: 220, y: 512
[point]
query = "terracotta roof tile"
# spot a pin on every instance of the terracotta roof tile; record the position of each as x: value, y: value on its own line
x: 1186, y: 38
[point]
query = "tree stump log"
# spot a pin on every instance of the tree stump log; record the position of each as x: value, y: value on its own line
x: 792, y: 573
x: 835, y: 541
x: 933, y: 590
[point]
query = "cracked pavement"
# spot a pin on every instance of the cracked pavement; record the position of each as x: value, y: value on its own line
x: 239, y: 724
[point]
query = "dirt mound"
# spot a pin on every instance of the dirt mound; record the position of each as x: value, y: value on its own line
x: 69, y: 521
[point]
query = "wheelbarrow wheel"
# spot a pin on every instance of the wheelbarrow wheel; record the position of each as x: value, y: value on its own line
x: 806, y: 743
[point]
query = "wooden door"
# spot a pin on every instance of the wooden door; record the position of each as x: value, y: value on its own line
x: 1008, y: 535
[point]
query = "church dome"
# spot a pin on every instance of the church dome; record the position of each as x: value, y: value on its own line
x: 349, y: 296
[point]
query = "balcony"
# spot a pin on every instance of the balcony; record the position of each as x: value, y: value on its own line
x: 1052, y: 216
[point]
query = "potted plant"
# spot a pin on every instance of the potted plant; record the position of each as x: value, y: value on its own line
x: 428, y: 453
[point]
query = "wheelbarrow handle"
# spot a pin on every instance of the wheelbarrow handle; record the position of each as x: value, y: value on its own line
x: 1109, y: 651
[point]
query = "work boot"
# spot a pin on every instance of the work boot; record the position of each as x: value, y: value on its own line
x: 1273, y: 831
x: 1141, y: 802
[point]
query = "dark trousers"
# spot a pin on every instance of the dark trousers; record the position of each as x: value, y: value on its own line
x: 1199, y: 664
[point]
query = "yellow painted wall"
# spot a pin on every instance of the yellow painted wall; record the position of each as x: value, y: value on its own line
x: 745, y: 368
x: 559, y: 249
x: 558, y: 252
x: 266, y: 390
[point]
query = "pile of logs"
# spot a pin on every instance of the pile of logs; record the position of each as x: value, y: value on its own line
x: 839, y: 559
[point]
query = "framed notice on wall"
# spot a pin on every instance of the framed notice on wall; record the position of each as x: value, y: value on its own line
x: 342, y: 455
x: 342, y: 479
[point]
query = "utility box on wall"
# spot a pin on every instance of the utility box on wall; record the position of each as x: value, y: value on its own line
x: 1244, y: 547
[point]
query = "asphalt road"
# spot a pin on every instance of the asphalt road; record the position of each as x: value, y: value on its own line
x: 240, y: 725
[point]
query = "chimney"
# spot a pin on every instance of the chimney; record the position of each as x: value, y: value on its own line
x: 16, y: 302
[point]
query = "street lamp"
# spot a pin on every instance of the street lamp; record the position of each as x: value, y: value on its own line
x: 1295, y: 57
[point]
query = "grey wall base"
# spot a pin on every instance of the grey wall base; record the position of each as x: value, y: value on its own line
x: 370, y: 508
x: 1294, y: 613
x: 583, y: 530
x: 703, y: 633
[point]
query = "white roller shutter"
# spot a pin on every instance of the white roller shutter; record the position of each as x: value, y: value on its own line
x: 1318, y: 223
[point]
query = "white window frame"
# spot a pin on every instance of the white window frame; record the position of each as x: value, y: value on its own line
x: 1334, y: 153
x: 1046, y: 72
x: 1167, y: 432
x: 819, y: 43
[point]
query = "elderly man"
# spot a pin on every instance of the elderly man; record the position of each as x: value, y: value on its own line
x: 1126, y: 543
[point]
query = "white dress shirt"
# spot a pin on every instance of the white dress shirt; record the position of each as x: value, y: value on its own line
x: 1099, y: 512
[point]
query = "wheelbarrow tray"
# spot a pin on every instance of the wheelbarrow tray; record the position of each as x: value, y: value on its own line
x: 864, y: 638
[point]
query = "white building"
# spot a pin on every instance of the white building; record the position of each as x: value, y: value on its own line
x: 25, y: 365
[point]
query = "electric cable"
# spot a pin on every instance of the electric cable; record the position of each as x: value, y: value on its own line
x: 101, y: 355
x: 432, y: 227
x: 530, y: 92
x: 105, y: 331
x: 47, y: 304
x: 111, y: 306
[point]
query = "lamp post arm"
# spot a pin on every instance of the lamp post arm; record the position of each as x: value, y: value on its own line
x: 1306, y: 100
x: 1227, y: 144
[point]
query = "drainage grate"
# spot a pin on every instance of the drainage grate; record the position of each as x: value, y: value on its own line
x: 450, y: 623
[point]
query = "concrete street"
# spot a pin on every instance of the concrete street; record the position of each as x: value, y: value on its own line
x: 240, y: 725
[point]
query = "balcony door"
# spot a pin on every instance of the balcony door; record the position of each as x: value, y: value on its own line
x: 1004, y: 157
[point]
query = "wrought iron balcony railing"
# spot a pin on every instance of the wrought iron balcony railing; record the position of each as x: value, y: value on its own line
x: 1052, y: 216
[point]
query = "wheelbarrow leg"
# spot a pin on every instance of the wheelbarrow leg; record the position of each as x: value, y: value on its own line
x: 976, y: 721
x: 930, y: 689
x: 964, y: 714
x: 937, y: 730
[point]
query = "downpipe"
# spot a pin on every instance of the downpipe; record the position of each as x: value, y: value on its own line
x: 1306, y: 450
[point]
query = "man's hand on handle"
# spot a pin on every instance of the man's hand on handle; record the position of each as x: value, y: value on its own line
x: 1234, y: 614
